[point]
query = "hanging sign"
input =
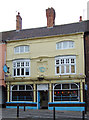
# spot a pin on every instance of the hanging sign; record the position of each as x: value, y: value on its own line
x: 5, y: 68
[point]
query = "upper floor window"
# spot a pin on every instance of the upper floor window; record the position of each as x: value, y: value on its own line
x: 21, y: 49
x: 65, y: 45
x: 21, y: 68
x: 65, y: 65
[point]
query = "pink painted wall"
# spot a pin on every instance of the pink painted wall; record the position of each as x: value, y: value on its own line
x: 2, y: 63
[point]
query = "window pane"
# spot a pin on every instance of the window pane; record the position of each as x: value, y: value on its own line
x: 27, y: 63
x: 22, y: 71
x: 74, y: 93
x: 27, y: 71
x: 14, y: 72
x: 21, y: 49
x: 72, y: 69
x: 22, y: 63
x: 57, y: 69
x: 73, y: 86
x: 14, y: 96
x: 58, y: 86
x: 59, y: 45
x: 62, y: 61
x: 62, y: 69
x: 65, y: 86
x: 65, y: 44
x: 28, y: 87
x: 17, y: 50
x: 72, y: 61
x: 71, y: 44
x: 57, y: 95
x: 21, y: 87
x: 67, y: 68
x: 18, y: 64
x: 14, y: 64
x: 67, y: 60
x: 57, y: 61
x: 15, y: 87
x: 26, y: 48
x: 18, y: 71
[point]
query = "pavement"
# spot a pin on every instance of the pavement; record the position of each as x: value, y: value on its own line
x: 42, y: 114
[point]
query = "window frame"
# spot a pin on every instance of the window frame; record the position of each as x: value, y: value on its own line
x: 15, y: 67
x: 70, y: 89
x: 19, y: 47
x: 62, y: 43
x: 62, y: 64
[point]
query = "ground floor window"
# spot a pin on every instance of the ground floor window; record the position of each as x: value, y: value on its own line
x: 66, y: 92
x: 22, y: 93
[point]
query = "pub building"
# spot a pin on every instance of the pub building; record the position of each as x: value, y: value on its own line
x: 47, y: 65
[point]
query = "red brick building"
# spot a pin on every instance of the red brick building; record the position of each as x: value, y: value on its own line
x: 2, y: 74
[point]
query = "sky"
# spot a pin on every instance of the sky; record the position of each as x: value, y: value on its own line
x: 33, y: 12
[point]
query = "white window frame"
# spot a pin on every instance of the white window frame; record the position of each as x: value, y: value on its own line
x: 65, y: 90
x: 65, y: 64
x: 60, y: 46
x: 20, y: 67
x: 24, y: 51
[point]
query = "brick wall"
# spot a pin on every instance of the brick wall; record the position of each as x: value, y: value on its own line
x: 86, y: 45
x: 2, y: 62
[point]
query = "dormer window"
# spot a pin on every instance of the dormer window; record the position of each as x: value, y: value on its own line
x: 21, y: 49
x: 65, y: 45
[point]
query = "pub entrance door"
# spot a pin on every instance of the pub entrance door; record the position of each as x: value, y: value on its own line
x: 43, y: 99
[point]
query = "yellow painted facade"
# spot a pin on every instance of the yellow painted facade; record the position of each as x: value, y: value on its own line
x: 42, y: 54
x: 43, y: 51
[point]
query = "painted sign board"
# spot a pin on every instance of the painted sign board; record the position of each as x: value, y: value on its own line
x: 42, y: 69
x: 42, y: 87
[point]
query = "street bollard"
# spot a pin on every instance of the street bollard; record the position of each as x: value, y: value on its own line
x: 83, y: 115
x: 17, y: 110
x: 24, y: 106
x: 53, y: 113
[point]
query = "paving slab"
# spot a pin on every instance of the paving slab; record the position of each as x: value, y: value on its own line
x: 44, y: 114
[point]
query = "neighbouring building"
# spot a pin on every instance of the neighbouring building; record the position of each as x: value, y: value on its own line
x: 2, y: 75
x: 48, y: 66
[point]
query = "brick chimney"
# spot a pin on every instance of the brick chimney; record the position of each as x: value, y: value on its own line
x: 50, y: 14
x: 18, y: 22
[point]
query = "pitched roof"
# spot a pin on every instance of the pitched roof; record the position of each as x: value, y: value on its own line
x: 44, y: 31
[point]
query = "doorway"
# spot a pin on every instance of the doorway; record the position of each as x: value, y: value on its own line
x: 43, y: 99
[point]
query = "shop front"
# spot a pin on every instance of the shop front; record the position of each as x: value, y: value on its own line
x: 61, y: 94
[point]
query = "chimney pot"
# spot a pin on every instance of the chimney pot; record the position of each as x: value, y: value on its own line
x: 80, y: 19
x: 18, y: 22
